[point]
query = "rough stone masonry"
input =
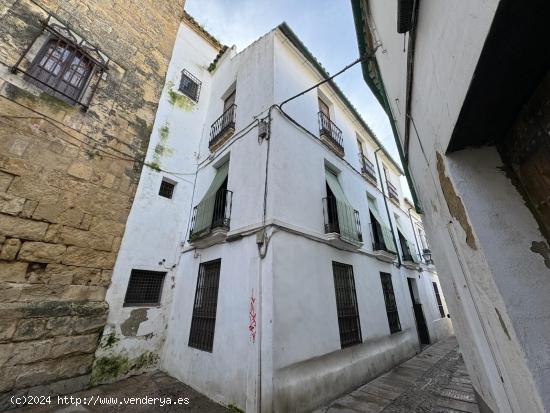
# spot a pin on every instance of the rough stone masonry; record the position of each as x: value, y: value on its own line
x: 67, y: 181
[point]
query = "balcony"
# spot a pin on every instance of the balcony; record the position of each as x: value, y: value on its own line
x: 367, y: 168
x: 331, y: 135
x: 211, y: 218
x: 378, y: 244
x: 342, y: 224
x: 222, y: 128
x: 392, y: 192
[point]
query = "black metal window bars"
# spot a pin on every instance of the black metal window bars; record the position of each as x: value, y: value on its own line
x: 438, y: 298
x: 203, y: 320
x: 391, y: 304
x: 349, y: 324
x: 144, y: 288
x: 329, y: 129
x: 367, y: 167
x: 190, y: 85
x: 330, y: 214
x: 392, y: 191
x: 66, y: 65
x: 223, y: 124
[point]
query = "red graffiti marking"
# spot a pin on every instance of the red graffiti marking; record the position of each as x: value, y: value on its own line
x: 252, y: 317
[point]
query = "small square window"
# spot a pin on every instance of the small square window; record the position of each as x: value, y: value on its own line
x: 144, y: 288
x: 190, y: 85
x: 166, y: 188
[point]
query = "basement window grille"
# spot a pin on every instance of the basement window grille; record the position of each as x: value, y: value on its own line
x: 190, y: 85
x: 166, y: 188
x: 66, y: 66
x: 144, y: 288
x: 346, y: 305
x: 391, y: 304
x: 203, y: 321
x: 438, y: 298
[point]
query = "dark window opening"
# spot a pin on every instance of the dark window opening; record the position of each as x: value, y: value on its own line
x: 438, y: 298
x: 220, y: 217
x: 166, y: 189
x: 407, y: 255
x: 377, y: 237
x: 203, y: 321
x: 391, y: 304
x: 346, y: 305
x: 190, y: 85
x: 332, y: 213
x: 144, y: 288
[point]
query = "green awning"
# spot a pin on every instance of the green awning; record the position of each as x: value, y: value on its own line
x: 410, y: 244
x: 205, y: 208
x: 386, y: 232
x: 346, y: 214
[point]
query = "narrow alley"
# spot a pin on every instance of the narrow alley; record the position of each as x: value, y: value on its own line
x: 434, y: 381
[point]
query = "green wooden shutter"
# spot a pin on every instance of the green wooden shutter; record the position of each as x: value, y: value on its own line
x: 346, y: 214
x: 386, y: 232
x: 205, y: 208
x: 410, y: 244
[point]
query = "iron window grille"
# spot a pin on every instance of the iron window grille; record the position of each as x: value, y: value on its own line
x: 391, y: 304
x: 66, y: 66
x: 203, y: 322
x: 166, y: 189
x: 438, y: 298
x: 190, y: 85
x: 346, y: 304
x: 144, y: 288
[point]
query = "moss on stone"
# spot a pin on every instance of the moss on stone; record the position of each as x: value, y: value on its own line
x: 232, y: 408
x: 108, y: 369
x: 109, y: 341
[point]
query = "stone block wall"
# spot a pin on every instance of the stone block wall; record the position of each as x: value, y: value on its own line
x: 67, y: 181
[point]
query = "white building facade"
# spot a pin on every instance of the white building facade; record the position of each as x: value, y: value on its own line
x: 270, y: 259
x: 466, y: 87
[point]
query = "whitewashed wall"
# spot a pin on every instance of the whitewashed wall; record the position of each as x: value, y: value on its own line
x: 487, y: 287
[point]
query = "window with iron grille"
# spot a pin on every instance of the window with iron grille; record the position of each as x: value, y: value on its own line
x: 144, y: 288
x: 65, y: 66
x: 166, y: 188
x: 203, y: 321
x: 438, y: 298
x: 190, y: 85
x: 346, y: 305
x: 391, y: 304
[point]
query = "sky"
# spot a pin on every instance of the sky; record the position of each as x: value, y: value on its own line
x: 327, y: 29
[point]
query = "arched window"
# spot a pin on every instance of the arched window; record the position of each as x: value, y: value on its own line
x: 63, y: 68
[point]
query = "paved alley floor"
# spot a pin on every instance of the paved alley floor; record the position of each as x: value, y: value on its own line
x: 434, y: 381
x: 117, y: 397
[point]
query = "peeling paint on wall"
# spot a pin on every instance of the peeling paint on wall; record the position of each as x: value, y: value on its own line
x: 456, y: 208
x: 131, y: 325
x: 502, y: 324
x: 541, y: 248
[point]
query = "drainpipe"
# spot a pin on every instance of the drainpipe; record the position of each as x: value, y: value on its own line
x: 414, y: 233
x: 387, y: 208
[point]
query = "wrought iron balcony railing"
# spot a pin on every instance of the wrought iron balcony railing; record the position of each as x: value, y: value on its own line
x: 392, y: 191
x: 223, y: 127
x: 328, y: 129
x: 219, y: 205
x: 367, y: 167
x: 335, y: 211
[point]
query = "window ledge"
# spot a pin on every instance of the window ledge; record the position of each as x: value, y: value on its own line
x: 337, y: 241
x: 384, y: 256
x: 215, y: 236
x: 411, y: 265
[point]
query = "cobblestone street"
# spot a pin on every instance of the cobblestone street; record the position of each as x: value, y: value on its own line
x: 434, y: 381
